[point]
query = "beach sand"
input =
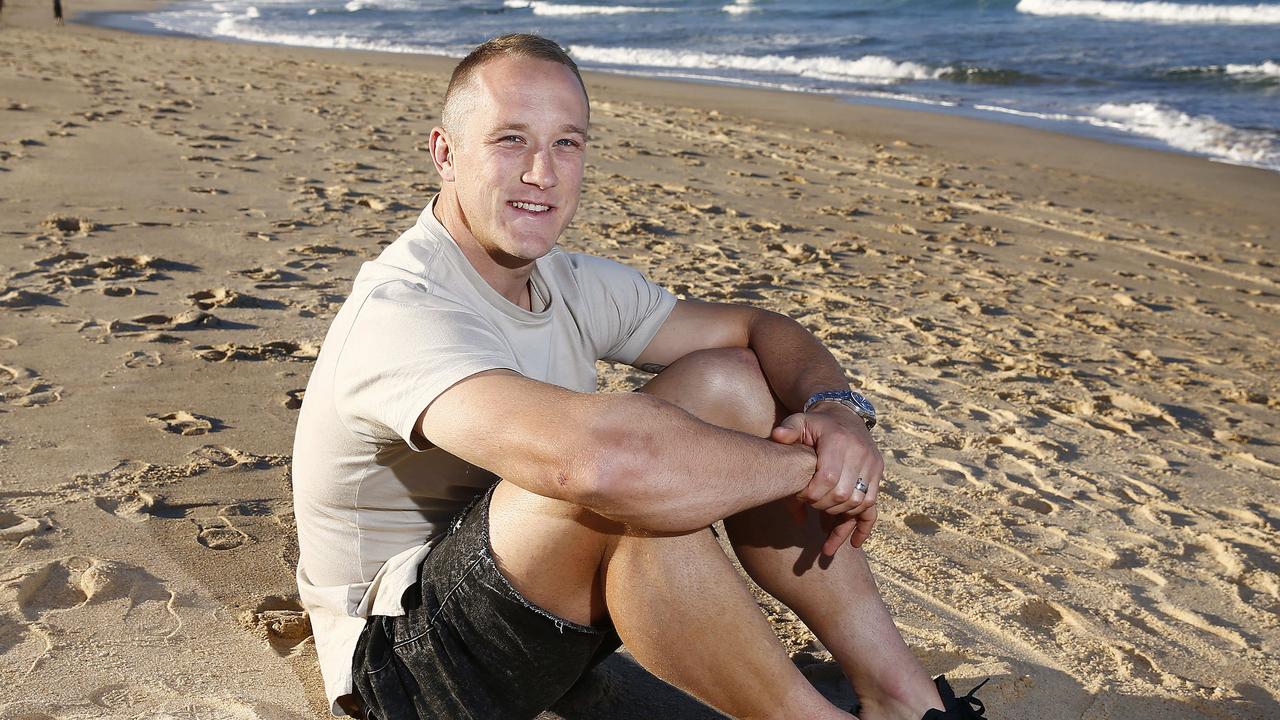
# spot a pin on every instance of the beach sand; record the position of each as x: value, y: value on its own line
x: 1073, y: 345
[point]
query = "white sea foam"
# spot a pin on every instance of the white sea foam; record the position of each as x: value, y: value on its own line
x: 1201, y: 134
x: 232, y: 27
x: 1267, y: 68
x: 252, y: 12
x: 1026, y: 113
x: 358, y: 5
x: 555, y: 9
x: 739, y: 7
x: 869, y: 68
x: 1164, y: 12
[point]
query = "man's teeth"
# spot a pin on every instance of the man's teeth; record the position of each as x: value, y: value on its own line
x: 531, y: 206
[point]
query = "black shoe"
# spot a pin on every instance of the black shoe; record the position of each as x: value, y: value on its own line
x: 965, y: 707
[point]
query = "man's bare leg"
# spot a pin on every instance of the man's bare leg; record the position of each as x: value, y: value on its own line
x: 676, y: 600
x: 838, y: 600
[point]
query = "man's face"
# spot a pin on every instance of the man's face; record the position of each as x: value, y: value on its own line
x: 517, y: 162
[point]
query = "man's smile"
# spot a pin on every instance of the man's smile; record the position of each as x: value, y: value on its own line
x: 529, y: 207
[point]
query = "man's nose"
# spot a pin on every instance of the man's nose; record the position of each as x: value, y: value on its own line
x: 542, y: 171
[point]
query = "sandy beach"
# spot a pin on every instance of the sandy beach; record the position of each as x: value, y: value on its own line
x: 1074, y: 345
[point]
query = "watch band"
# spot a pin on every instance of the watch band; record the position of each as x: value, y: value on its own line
x: 861, y: 406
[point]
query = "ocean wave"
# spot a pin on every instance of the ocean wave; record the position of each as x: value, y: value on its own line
x: 358, y: 5
x: 988, y: 76
x: 1164, y: 12
x: 555, y: 9
x: 231, y: 27
x: 869, y: 68
x: 1263, y: 75
x: 1202, y: 134
x: 1267, y: 68
x: 739, y: 7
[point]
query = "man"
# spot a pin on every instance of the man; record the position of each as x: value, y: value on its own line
x: 466, y: 353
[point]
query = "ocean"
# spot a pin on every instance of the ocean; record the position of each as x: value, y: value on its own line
x: 1201, y: 78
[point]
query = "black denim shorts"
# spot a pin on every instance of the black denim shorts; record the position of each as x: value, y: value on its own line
x: 470, y: 646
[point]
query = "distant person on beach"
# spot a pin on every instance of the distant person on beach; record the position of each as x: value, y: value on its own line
x: 478, y: 527
x: 57, y: 11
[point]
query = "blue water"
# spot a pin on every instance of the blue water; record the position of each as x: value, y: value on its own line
x: 1200, y: 77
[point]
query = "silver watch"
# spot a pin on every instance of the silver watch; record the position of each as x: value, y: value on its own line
x: 849, y: 399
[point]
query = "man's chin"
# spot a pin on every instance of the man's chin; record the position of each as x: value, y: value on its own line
x: 523, y: 254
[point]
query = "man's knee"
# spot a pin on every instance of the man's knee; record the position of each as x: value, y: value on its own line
x: 724, y: 386
x: 550, y: 551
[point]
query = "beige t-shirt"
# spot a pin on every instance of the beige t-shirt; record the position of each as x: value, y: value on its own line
x: 367, y: 499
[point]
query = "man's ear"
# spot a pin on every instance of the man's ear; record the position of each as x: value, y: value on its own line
x: 442, y: 153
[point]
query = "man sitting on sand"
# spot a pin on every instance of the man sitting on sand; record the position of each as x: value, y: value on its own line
x: 466, y: 353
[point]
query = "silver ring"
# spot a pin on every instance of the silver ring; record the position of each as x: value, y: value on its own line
x: 860, y: 486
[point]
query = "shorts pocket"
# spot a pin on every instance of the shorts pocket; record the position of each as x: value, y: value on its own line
x: 377, y: 678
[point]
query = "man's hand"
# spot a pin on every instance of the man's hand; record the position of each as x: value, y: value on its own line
x: 847, y: 455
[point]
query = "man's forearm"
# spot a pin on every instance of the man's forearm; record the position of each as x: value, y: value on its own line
x: 795, y: 363
x: 666, y: 470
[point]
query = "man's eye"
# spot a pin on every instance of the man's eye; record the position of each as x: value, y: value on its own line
x: 511, y: 138
x: 567, y: 143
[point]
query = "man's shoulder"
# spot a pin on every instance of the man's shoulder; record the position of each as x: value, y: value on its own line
x: 585, y: 266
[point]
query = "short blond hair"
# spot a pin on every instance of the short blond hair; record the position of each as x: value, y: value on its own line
x: 525, y: 45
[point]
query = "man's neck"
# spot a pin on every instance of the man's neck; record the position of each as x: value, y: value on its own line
x: 510, y: 282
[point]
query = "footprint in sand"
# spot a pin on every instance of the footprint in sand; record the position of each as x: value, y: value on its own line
x: 15, y: 527
x: 25, y: 388
x: 922, y: 524
x: 219, y: 534
x: 186, y: 423
x: 35, y: 598
x: 280, y: 621
x: 216, y: 297
x: 189, y: 320
x: 134, y: 360
x: 272, y: 276
x: 138, y: 506
x: 1031, y: 502
x: 142, y: 359
x: 19, y: 299
x: 320, y: 250
x: 68, y: 225
x: 1039, y: 614
x: 228, y: 457
x: 293, y: 398
x: 276, y: 350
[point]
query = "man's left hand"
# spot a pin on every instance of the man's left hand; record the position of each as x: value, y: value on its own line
x: 847, y: 455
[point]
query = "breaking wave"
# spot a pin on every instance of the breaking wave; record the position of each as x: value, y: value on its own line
x: 554, y: 9
x: 1164, y: 12
x: 1201, y: 134
x: 866, y: 69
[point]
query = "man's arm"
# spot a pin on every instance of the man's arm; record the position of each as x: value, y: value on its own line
x: 796, y: 365
x: 795, y: 362
x: 628, y: 456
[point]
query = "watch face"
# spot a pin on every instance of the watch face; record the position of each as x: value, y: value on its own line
x: 863, y: 403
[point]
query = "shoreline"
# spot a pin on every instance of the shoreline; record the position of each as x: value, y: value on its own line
x: 1071, y: 341
x: 869, y: 98
x: 994, y: 139
x: 1020, y: 143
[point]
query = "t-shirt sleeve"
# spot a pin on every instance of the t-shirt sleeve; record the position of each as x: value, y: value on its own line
x: 626, y: 308
x: 405, y: 348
